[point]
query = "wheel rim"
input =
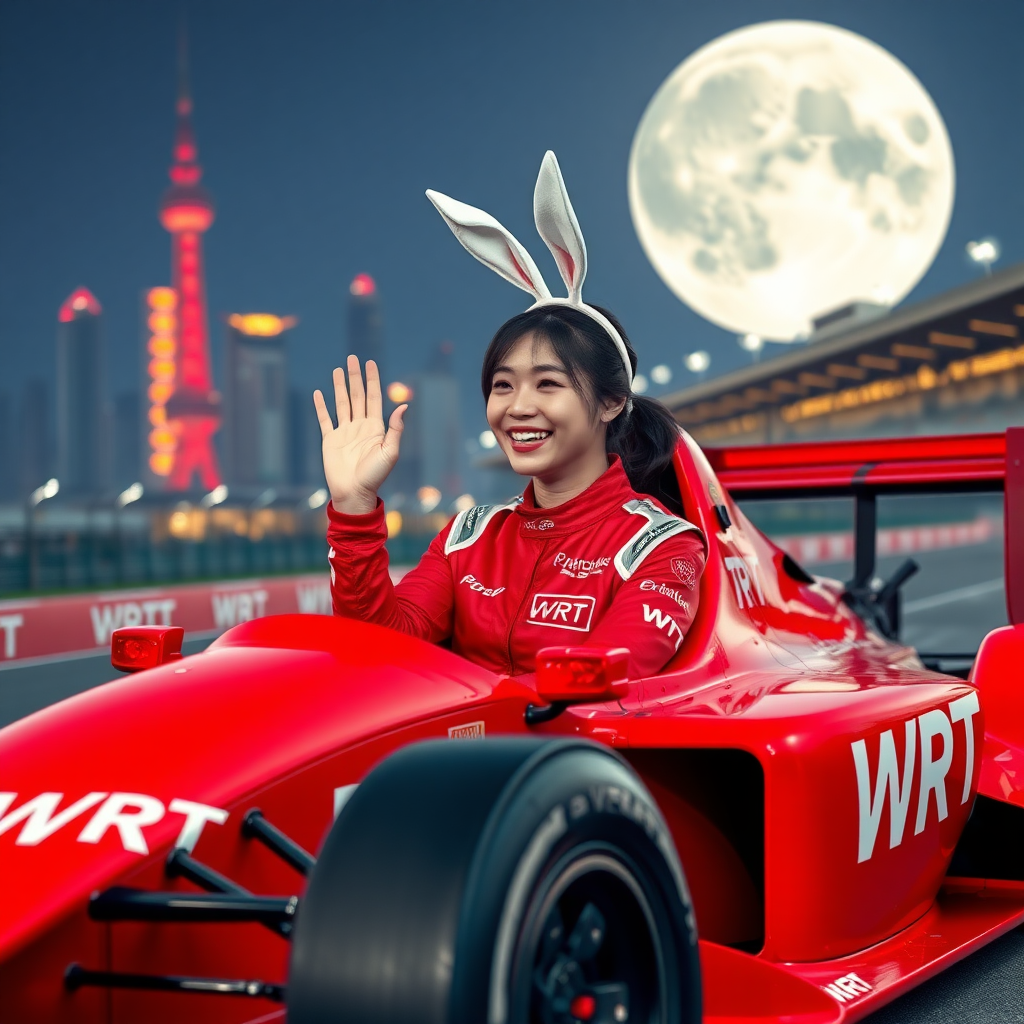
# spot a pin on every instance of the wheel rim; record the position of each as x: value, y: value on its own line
x: 591, y: 951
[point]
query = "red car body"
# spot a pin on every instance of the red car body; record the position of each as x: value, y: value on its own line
x: 817, y: 779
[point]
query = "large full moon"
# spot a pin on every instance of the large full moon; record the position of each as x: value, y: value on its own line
x: 785, y: 170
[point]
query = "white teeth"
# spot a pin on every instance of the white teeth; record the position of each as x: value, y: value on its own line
x: 529, y: 435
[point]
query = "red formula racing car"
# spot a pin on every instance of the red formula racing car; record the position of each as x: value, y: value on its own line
x: 797, y: 820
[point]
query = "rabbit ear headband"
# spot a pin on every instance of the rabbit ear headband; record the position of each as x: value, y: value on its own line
x: 498, y: 249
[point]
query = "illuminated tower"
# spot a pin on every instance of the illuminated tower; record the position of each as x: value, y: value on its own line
x: 193, y: 408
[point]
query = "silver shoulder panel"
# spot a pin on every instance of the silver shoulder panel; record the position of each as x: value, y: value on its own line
x: 470, y: 525
x: 660, y: 526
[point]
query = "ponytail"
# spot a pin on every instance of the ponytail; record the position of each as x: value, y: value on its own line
x: 644, y: 437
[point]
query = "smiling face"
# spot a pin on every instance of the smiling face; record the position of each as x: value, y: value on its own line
x: 544, y: 425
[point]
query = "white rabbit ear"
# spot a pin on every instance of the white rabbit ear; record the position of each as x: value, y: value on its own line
x: 558, y: 226
x: 491, y: 244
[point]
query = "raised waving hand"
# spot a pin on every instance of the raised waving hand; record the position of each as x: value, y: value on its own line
x: 358, y: 452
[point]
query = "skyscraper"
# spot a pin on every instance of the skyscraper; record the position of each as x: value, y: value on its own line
x: 432, y: 439
x: 365, y: 323
x: 256, y: 444
x: 35, y: 438
x: 193, y: 407
x: 305, y: 458
x: 80, y: 388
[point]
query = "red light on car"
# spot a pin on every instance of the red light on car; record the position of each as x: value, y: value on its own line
x: 582, y: 674
x: 134, y: 648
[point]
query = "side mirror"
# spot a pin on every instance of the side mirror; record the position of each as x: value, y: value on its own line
x: 578, y: 675
x: 134, y: 648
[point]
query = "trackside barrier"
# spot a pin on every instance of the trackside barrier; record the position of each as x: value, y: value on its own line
x: 81, y: 624
x: 904, y: 540
x: 42, y: 628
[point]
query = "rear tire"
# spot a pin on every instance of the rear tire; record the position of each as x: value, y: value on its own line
x: 502, y: 882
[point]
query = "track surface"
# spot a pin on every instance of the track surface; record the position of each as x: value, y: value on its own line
x: 948, y: 607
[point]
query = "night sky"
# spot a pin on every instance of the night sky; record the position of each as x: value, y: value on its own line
x: 321, y: 123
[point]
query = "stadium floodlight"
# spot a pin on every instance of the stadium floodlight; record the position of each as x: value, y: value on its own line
x: 48, y: 490
x: 215, y: 497
x: 661, y: 374
x: 130, y: 494
x: 697, y: 362
x: 985, y: 252
x: 752, y: 343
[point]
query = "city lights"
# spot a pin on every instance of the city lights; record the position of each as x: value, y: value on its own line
x: 399, y: 393
x: 429, y: 498
x: 661, y: 374
x: 463, y: 502
x: 81, y: 300
x: 751, y: 342
x: 162, y: 346
x: 362, y: 284
x: 393, y: 522
x: 640, y: 384
x: 488, y: 440
x: 318, y: 498
x: 262, y: 325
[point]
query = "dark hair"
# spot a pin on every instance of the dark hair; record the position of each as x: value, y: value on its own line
x: 644, y: 434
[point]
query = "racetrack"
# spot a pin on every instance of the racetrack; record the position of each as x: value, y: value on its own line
x: 949, y: 606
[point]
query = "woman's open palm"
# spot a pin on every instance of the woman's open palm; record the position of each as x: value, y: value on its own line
x: 358, y: 453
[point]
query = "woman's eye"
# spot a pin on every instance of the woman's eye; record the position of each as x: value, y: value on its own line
x: 501, y: 385
x: 547, y: 382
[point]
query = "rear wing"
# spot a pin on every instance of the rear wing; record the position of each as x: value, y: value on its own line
x: 864, y: 469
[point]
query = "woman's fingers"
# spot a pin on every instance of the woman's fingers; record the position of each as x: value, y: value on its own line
x: 341, y: 397
x: 324, y: 417
x: 355, y: 389
x: 374, y: 403
x: 394, y: 435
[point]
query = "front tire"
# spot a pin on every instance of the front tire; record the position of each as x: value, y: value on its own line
x: 502, y: 882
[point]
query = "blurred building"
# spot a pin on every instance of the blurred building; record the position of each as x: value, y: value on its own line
x: 305, y: 461
x: 365, y: 322
x: 432, y: 441
x: 256, y: 400
x: 81, y: 430
x: 34, y: 436
x: 953, y: 363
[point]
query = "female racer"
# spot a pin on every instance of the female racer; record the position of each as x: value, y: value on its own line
x: 585, y: 557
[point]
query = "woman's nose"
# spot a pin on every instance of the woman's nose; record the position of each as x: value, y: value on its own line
x: 523, y: 402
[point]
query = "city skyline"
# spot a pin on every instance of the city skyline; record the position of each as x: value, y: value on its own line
x: 309, y: 156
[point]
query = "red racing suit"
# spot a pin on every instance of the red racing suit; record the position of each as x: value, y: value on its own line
x: 610, y: 568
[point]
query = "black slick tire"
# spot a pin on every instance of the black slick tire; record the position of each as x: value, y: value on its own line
x: 498, y: 882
